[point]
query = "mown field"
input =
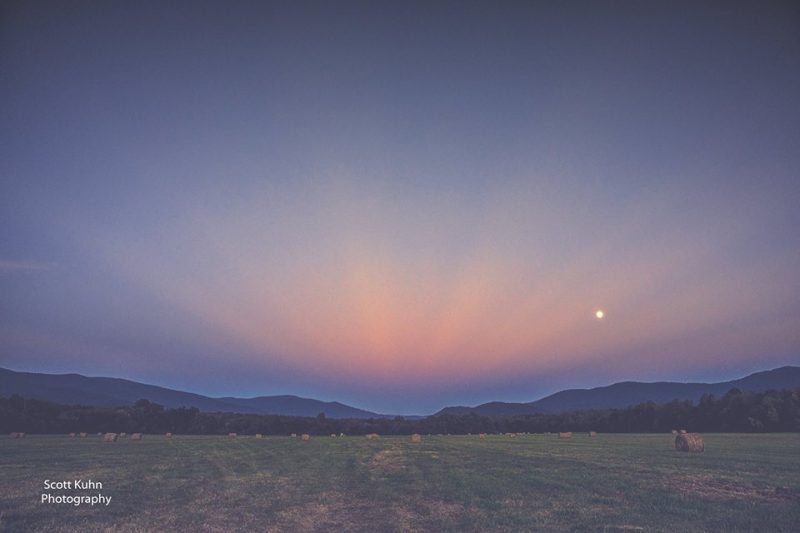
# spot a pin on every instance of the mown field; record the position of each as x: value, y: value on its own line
x: 446, y: 483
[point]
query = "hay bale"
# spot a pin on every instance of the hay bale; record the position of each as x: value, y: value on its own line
x: 689, y: 442
x: 72, y: 434
x: 232, y: 435
x: 168, y: 435
x: 294, y: 435
x: 333, y: 435
x: 259, y: 436
x: 83, y: 434
x: 565, y: 435
x: 416, y: 438
x: 306, y: 437
x: 110, y: 437
x: 372, y: 436
x: 592, y: 433
x: 136, y: 436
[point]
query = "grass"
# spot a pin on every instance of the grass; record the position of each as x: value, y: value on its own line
x: 446, y: 483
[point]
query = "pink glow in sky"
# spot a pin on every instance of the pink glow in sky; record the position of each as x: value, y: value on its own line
x: 399, y: 206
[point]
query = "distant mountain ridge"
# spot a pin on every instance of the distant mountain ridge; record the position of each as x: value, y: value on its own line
x: 629, y: 393
x: 75, y: 389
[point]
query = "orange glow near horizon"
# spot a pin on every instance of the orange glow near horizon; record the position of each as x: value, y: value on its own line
x: 360, y: 296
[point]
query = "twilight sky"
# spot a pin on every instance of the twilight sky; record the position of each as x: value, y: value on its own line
x: 399, y: 205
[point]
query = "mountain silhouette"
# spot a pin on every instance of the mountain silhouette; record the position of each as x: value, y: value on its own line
x: 75, y: 389
x: 629, y: 393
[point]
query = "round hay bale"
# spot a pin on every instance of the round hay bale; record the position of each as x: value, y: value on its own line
x: 689, y: 442
x: 592, y: 433
x: 83, y: 434
x: 333, y: 435
x: 72, y: 434
x: 259, y: 436
x: 293, y: 435
x: 372, y: 436
x: 416, y: 438
x: 136, y: 436
x: 232, y: 435
x: 110, y: 437
x: 168, y: 435
x: 306, y: 437
x: 565, y: 435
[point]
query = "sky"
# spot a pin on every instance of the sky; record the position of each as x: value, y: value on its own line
x: 399, y: 205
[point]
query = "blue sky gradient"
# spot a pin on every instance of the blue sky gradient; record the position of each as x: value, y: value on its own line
x: 399, y: 205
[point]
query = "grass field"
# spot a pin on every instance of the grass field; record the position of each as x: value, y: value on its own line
x: 447, y: 483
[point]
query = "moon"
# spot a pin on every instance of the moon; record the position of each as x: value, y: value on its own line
x: 600, y: 314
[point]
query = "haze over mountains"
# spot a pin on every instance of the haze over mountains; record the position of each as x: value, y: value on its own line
x: 75, y: 389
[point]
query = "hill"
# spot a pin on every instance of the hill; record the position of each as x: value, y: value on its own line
x: 629, y: 393
x: 75, y: 389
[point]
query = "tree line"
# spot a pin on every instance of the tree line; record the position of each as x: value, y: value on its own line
x: 736, y: 411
